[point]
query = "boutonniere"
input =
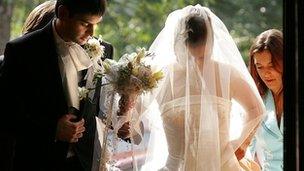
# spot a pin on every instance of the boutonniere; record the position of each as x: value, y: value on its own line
x: 94, y: 48
x: 96, y: 52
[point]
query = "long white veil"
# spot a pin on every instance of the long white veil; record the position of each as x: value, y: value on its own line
x: 198, y: 100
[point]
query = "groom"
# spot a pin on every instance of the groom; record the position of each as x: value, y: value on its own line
x: 39, y: 78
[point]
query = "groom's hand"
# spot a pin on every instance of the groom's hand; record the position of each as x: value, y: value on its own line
x: 69, y: 131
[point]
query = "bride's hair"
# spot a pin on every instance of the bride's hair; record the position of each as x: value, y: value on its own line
x: 196, y: 31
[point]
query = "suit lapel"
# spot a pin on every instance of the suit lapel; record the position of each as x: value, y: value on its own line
x: 52, y: 66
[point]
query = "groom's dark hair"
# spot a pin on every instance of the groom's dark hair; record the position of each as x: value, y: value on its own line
x: 92, y: 7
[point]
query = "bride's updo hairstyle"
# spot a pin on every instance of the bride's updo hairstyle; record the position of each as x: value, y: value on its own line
x: 196, y: 31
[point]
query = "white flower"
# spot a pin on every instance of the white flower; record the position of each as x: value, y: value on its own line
x: 111, y: 62
x: 94, y: 49
x: 83, y: 93
x: 124, y: 59
x: 111, y: 69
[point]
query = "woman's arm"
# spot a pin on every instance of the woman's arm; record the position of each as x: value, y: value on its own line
x: 245, y: 93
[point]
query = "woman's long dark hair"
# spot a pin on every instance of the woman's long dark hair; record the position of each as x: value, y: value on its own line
x: 271, y: 40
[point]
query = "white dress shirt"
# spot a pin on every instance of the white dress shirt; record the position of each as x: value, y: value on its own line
x: 72, y: 59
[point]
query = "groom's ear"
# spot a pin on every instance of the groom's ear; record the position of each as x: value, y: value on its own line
x: 63, y: 12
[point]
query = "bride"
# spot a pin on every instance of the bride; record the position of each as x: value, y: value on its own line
x: 189, y: 113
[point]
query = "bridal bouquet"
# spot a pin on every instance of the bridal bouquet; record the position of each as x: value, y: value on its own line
x: 130, y: 77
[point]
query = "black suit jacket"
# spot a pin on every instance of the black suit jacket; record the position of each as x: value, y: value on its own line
x: 32, y: 101
x: 1, y: 59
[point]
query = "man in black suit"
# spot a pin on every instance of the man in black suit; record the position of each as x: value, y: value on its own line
x: 37, y: 83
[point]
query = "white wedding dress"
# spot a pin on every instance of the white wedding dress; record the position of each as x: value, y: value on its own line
x: 191, y: 109
x: 173, y: 120
x: 203, y: 142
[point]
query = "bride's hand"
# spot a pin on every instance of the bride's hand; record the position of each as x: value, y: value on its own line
x: 240, y: 153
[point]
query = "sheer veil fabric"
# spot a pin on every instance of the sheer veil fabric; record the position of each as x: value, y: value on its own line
x: 189, y: 113
x: 187, y: 119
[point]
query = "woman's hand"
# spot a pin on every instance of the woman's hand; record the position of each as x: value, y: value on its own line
x: 240, y: 153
